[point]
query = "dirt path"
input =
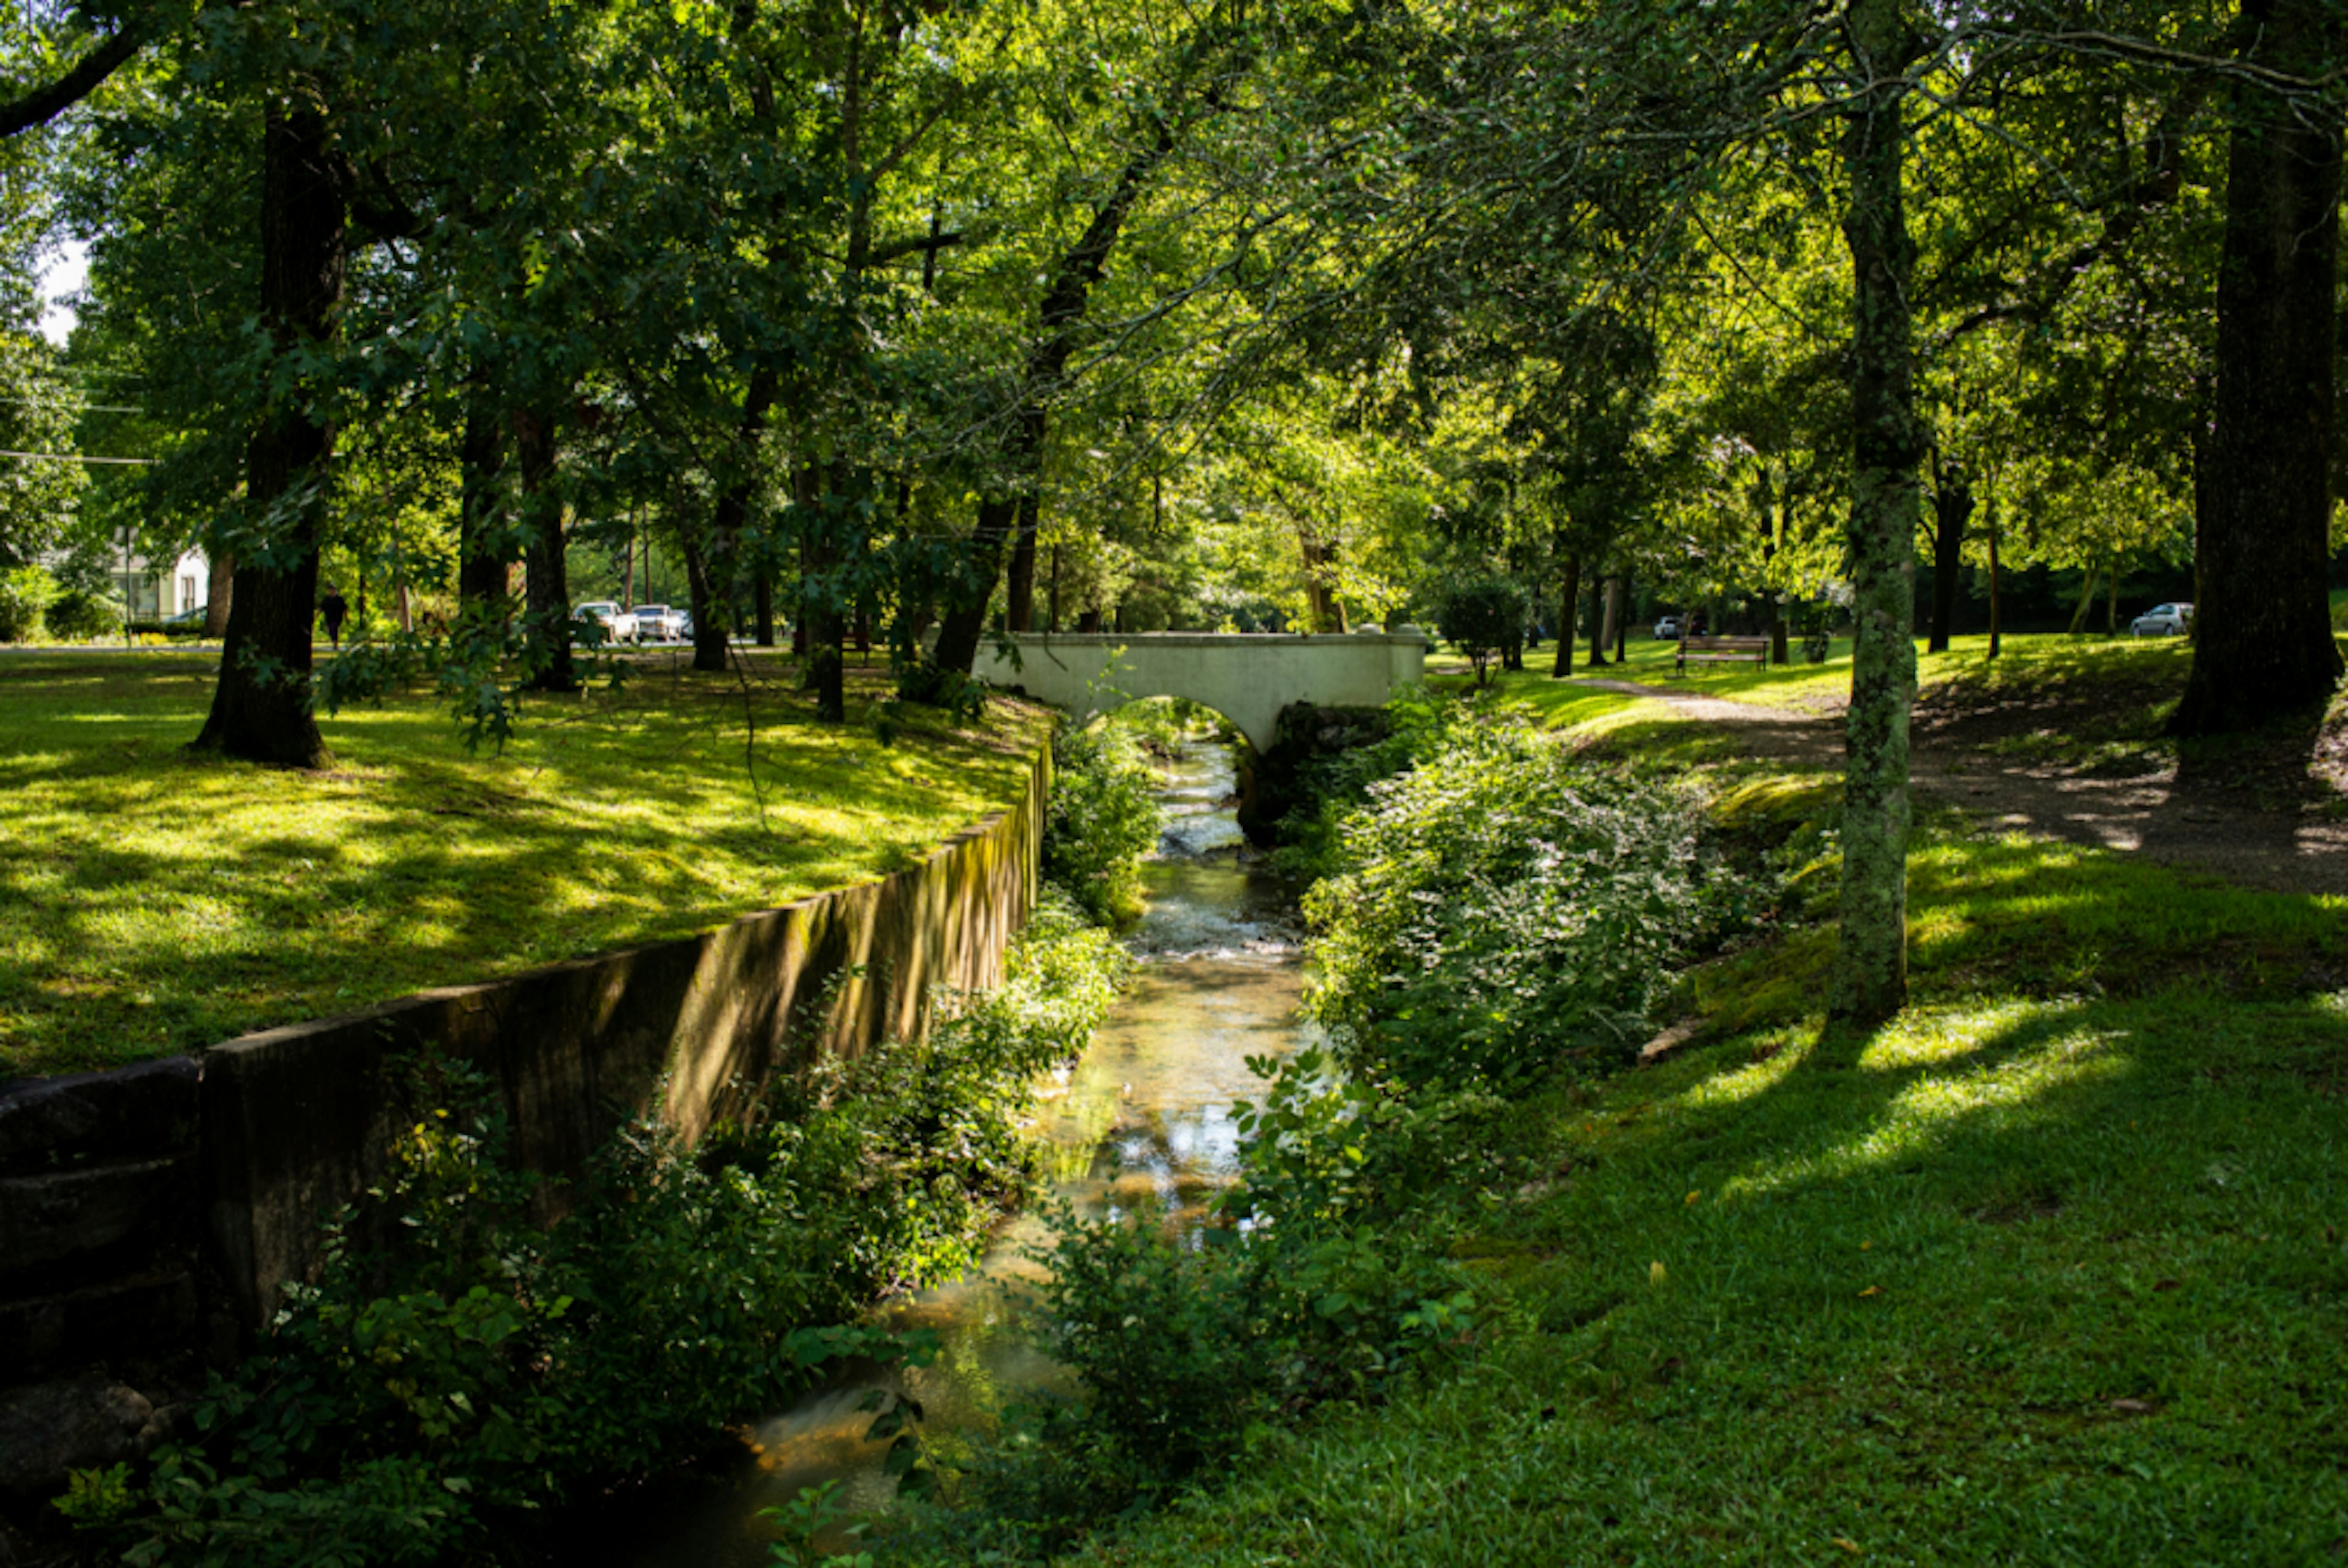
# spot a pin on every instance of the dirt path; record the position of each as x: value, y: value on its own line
x: 2284, y: 848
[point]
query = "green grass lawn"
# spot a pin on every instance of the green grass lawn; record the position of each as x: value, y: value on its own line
x: 154, y: 902
x: 2050, y: 1271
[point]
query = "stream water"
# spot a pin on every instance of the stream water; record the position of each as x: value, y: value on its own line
x: 1144, y: 1114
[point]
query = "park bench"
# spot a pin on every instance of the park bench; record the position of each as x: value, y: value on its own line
x: 1752, y: 651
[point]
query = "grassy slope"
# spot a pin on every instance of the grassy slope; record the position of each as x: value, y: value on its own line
x: 151, y: 902
x: 2051, y: 1271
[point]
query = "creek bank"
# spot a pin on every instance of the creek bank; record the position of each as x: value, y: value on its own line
x: 150, y: 1216
x: 1142, y: 1121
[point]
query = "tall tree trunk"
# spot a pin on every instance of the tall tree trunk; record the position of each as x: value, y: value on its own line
x: 218, y: 593
x: 2112, y: 599
x: 1569, y: 596
x: 2086, y: 601
x: 1995, y: 627
x: 545, y: 561
x: 1953, y: 505
x: 763, y: 608
x: 483, y: 554
x: 2263, y: 643
x: 1597, y: 623
x: 1618, y: 614
x: 261, y: 708
x: 1059, y: 318
x: 1019, y: 591
x: 819, y: 597
x: 1870, y: 974
x: 714, y: 588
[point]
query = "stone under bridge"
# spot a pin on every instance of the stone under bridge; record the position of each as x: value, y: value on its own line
x: 1247, y: 677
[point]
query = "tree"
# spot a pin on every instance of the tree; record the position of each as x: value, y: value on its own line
x: 2262, y: 639
x: 1480, y: 616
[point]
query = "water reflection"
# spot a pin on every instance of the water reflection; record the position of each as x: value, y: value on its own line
x: 1144, y: 1117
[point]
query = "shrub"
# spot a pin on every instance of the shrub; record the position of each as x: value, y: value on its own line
x: 1503, y: 905
x: 80, y: 615
x: 25, y: 594
x: 1104, y: 819
x: 457, y: 1367
x: 1481, y: 617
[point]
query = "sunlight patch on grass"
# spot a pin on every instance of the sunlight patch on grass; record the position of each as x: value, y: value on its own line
x: 153, y: 902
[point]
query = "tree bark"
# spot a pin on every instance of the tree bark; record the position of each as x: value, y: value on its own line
x: 1618, y: 615
x: 1870, y: 974
x: 1990, y: 520
x: 1953, y: 507
x: 2086, y: 601
x: 218, y: 593
x: 712, y: 587
x: 2263, y: 644
x: 261, y: 708
x: 545, y: 559
x: 1568, y: 598
x: 483, y: 573
x: 1019, y: 591
x: 1597, y: 623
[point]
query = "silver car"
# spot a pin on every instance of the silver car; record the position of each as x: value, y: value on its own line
x: 656, y: 623
x: 2163, y: 621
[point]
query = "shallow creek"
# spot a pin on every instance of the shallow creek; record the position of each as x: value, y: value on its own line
x: 1143, y: 1115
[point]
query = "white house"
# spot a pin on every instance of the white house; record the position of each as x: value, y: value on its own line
x: 158, y: 590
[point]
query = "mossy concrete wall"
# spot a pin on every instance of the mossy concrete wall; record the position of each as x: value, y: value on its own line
x: 289, y: 1125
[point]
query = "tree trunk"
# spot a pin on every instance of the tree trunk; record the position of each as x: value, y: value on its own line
x: 820, y: 595
x: 546, y: 563
x: 1618, y: 616
x: 1059, y: 318
x: 763, y: 608
x: 1089, y: 621
x: 1597, y: 623
x: 2086, y: 601
x: 1568, y: 598
x: 1870, y: 974
x: 2264, y: 643
x: 261, y: 708
x: 1953, y: 505
x: 1020, y: 589
x: 1990, y: 517
x: 217, y: 595
x: 483, y: 553
x: 2112, y: 600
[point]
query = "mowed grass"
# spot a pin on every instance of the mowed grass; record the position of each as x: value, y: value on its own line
x: 154, y: 902
x: 2024, y: 661
x: 2053, y: 1270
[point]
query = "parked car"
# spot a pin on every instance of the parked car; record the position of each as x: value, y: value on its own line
x: 657, y: 623
x: 1667, y: 629
x: 2163, y: 621
x: 618, y: 625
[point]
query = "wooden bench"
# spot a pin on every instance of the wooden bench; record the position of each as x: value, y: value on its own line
x: 1723, y: 650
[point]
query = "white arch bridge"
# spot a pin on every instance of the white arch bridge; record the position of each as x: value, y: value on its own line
x: 1247, y: 677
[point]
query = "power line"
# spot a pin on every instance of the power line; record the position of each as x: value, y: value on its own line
x: 69, y: 457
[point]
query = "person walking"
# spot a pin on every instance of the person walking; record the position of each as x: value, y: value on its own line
x: 334, y: 612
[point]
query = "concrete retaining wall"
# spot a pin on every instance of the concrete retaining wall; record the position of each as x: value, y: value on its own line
x: 123, y: 1194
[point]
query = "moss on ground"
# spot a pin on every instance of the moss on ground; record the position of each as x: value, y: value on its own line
x: 154, y: 902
